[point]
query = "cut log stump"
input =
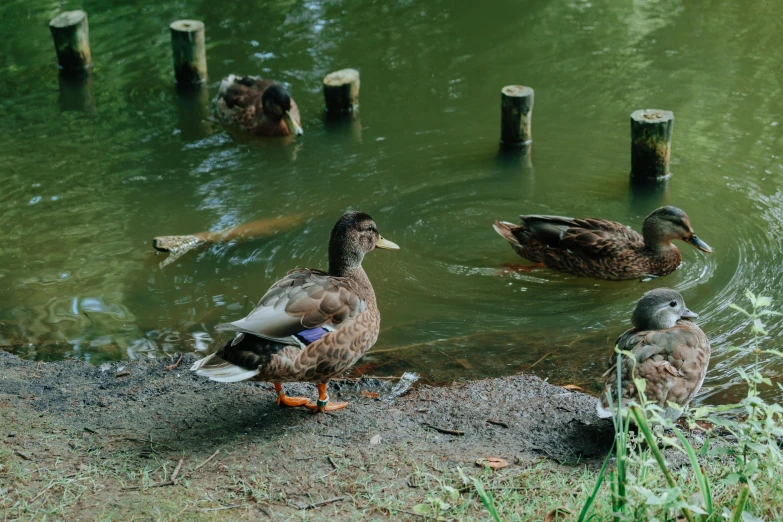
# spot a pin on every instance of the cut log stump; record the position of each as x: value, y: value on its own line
x: 71, y: 42
x: 190, y: 56
x: 651, y: 143
x: 516, y: 117
x: 341, y: 92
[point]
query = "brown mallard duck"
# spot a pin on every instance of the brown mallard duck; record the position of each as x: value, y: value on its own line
x: 672, y: 354
x: 601, y: 248
x: 260, y: 106
x: 310, y: 325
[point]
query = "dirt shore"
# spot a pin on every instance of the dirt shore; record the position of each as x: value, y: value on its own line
x: 87, y: 443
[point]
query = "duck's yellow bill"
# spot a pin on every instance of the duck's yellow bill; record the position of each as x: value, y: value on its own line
x: 294, y: 127
x: 386, y: 244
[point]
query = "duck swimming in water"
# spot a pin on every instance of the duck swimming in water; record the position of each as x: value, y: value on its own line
x: 259, y: 106
x: 603, y: 249
x: 311, y: 325
x: 671, y: 355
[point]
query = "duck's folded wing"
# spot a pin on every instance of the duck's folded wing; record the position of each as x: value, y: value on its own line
x: 665, y: 359
x: 591, y: 237
x: 242, y: 91
x: 302, y: 300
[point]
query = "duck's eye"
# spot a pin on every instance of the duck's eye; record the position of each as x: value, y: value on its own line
x: 673, y: 304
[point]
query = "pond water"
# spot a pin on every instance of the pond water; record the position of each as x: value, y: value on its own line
x: 82, y: 193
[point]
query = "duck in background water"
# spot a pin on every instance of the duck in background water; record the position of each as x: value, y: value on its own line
x: 311, y: 325
x: 259, y: 106
x: 671, y: 355
x: 603, y: 249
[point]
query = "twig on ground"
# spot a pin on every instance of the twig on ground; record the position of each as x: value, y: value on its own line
x: 44, y: 490
x: 497, y: 423
x: 445, y: 430
x: 323, y: 502
x: 206, y: 461
x: 25, y: 457
x: 90, y: 430
x: 175, y: 365
x: 159, y: 485
x: 331, y: 461
x: 173, y: 478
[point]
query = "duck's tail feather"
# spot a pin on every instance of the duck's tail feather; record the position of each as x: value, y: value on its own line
x: 506, y: 229
x: 225, y: 83
x: 219, y: 370
x: 226, y: 327
x: 603, y: 411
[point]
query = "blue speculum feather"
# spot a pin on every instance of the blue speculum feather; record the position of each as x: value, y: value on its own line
x: 311, y: 335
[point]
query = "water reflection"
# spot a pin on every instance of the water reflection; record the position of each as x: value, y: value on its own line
x: 81, y: 198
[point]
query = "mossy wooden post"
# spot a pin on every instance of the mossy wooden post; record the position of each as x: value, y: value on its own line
x: 651, y: 144
x: 190, y: 56
x: 71, y: 41
x: 516, y: 115
x: 341, y: 92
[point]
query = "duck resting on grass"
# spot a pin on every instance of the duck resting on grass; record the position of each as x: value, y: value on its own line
x: 259, y: 106
x: 671, y: 355
x: 603, y: 249
x: 311, y: 325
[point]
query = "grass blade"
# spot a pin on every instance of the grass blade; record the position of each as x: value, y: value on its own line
x: 487, y: 500
x: 641, y: 422
x: 701, y: 479
x: 599, y: 480
x: 739, y: 507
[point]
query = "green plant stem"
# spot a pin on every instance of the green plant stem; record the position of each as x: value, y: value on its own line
x: 739, y: 507
x: 641, y: 422
x: 621, y: 446
x: 701, y: 478
x: 600, y: 480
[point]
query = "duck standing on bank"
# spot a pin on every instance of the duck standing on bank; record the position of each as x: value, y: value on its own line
x: 311, y: 325
x: 671, y: 355
x: 603, y: 249
x: 259, y: 106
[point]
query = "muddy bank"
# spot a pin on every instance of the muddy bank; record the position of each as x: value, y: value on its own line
x: 82, y: 442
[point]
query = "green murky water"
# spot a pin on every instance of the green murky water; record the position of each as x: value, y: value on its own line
x: 83, y: 192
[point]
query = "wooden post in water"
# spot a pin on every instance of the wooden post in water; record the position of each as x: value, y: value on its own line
x: 651, y: 144
x: 190, y: 55
x: 71, y: 41
x: 341, y: 92
x: 516, y: 114
x: 76, y: 93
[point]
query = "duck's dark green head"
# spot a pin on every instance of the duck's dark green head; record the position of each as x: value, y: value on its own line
x: 277, y: 106
x: 660, y: 309
x: 668, y: 223
x: 352, y: 237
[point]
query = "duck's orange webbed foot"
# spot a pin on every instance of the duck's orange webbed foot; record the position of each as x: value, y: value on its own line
x: 323, y: 403
x: 510, y: 268
x: 292, y: 402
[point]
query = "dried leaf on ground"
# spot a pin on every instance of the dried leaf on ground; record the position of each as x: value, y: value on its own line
x: 492, y: 462
x: 369, y: 394
x: 572, y: 387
